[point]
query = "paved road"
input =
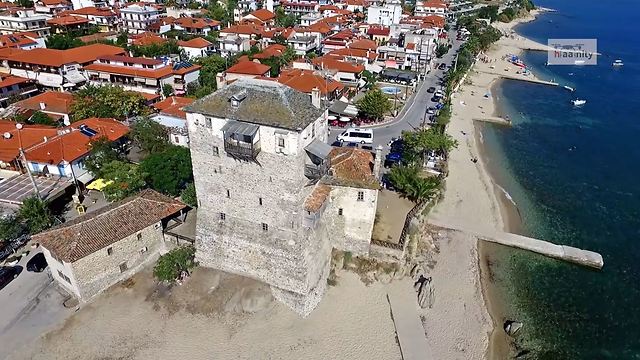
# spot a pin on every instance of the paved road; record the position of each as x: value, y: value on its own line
x: 29, y: 306
x: 413, y: 115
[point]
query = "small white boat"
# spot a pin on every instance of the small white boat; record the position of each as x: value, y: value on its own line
x: 578, y: 102
x: 569, y: 88
x: 618, y: 63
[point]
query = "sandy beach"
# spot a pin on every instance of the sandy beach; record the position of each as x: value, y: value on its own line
x: 472, y: 199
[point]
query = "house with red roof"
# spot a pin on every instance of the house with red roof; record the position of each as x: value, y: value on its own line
x: 56, y: 104
x: 171, y: 115
x: 17, y: 20
x: 57, y: 69
x: 338, y: 40
x: 196, y: 25
x: 360, y: 56
x: 273, y: 50
x: 348, y: 73
x: 68, y: 23
x: 260, y: 17
x: 104, y: 18
x: 247, y: 69
x: 306, y: 81
x: 136, y: 17
x: 142, y: 74
x: 24, y: 41
x: 196, y: 47
x: 299, y: 8
x: 430, y: 7
x: 52, y: 7
x: 379, y: 34
x: 145, y: 38
x: 15, y: 86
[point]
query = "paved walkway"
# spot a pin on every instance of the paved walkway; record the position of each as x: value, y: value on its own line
x: 413, y: 343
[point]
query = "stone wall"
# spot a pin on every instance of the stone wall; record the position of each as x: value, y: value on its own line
x: 352, y: 230
x: 98, y: 271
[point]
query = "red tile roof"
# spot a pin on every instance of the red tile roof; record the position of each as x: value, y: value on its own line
x: 198, y: 43
x: 249, y: 68
x: 331, y: 63
x: 196, y: 23
x: 270, y: 51
x: 364, y: 44
x: 434, y: 4
x: 147, y: 38
x: 84, y: 235
x: 56, y: 58
x: 263, y: 14
x: 358, y: 53
x: 54, y: 101
x: 93, y: 11
x: 17, y: 40
x: 28, y: 136
x: 318, y: 196
x: 379, y: 31
x: 305, y: 80
x: 353, y: 167
x: 68, y: 20
x: 54, y: 2
x: 10, y: 80
x: 173, y: 106
x: 74, y: 144
x: 130, y: 59
x: 139, y: 72
x: 243, y: 29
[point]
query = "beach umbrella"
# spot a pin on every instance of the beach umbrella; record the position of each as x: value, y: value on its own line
x: 345, y: 119
x: 331, y: 118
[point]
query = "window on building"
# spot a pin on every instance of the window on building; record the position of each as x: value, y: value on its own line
x: 216, y: 151
x: 260, y: 201
x: 340, y: 211
x: 360, y: 195
x: 223, y: 216
x: 176, y: 140
x: 65, y: 277
x: 139, y: 236
x: 123, y: 267
x: 281, y: 142
x: 313, y: 130
x: 228, y: 193
x: 265, y: 226
x: 207, y: 122
x: 109, y: 251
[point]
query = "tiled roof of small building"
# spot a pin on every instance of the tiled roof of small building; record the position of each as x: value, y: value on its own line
x: 352, y: 167
x: 266, y: 103
x: 91, y: 232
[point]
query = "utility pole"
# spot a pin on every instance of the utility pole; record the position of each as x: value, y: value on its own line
x: 24, y: 162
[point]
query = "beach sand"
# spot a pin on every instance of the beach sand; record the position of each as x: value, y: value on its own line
x: 472, y: 199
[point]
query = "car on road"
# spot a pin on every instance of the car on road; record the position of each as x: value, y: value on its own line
x: 356, y: 135
x: 431, y: 90
x: 392, y: 159
x: 442, y: 66
x: 431, y: 110
x: 8, y: 274
x: 37, y: 263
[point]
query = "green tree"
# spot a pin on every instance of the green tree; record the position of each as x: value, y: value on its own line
x: 441, y: 50
x: 167, y: 90
x: 211, y: 66
x: 197, y: 91
x: 24, y: 3
x: 489, y: 12
x: 107, y: 101
x: 35, y: 213
x: 127, y: 180
x: 150, y: 136
x: 171, y: 264
x: 62, y: 42
x: 169, y: 171
x: 153, y: 50
x: 419, y: 143
x: 374, y: 104
x: 408, y: 181
x: 41, y: 118
x: 189, y: 196
x: 284, y: 20
x: 370, y: 79
x: 102, y: 152
x: 11, y: 228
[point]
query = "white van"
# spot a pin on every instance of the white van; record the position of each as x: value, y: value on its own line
x: 355, y: 135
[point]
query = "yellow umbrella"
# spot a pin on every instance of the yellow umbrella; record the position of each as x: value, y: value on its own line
x: 99, y: 184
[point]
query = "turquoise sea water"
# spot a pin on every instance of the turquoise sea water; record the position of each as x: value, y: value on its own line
x: 575, y: 176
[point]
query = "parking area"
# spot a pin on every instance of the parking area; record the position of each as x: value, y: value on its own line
x: 30, y: 306
x: 17, y: 188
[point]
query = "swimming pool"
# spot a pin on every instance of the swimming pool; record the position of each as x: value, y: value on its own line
x: 390, y: 90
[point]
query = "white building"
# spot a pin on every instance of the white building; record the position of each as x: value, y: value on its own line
x: 430, y: 7
x: 171, y: 116
x: 137, y: 17
x: 24, y: 20
x: 266, y: 192
x: 385, y: 15
x: 196, y: 47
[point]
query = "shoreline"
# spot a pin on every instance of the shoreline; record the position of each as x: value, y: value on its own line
x: 472, y: 196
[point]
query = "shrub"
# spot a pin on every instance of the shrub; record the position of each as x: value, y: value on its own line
x: 171, y: 264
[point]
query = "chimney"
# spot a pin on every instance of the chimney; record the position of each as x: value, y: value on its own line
x: 221, y: 80
x: 45, y: 139
x: 43, y: 106
x: 315, y: 97
x: 270, y: 5
x: 377, y: 161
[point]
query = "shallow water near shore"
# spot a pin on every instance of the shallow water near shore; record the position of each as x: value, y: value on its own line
x: 573, y: 174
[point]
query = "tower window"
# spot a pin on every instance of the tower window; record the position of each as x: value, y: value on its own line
x: 216, y: 151
x: 265, y: 226
x: 340, y: 211
x: 360, y: 195
x: 109, y: 251
x: 228, y: 193
x: 260, y: 201
x: 223, y: 216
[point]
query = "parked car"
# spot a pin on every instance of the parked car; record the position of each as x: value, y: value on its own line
x: 431, y: 90
x: 442, y: 66
x: 8, y: 273
x: 392, y: 159
x: 362, y: 136
x: 431, y: 110
x: 37, y: 263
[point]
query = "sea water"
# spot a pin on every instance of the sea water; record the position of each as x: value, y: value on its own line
x: 574, y: 173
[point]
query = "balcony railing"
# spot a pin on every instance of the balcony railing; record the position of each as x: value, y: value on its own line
x: 242, y: 150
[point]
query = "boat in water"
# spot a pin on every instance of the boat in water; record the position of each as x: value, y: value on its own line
x: 569, y: 88
x: 578, y: 102
x: 618, y: 63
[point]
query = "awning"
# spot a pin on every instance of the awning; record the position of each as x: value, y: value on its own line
x: 319, y: 149
x: 373, y: 68
x: 75, y: 77
x: 85, y: 178
x: 236, y: 127
x: 342, y: 108
x: 99, y: 184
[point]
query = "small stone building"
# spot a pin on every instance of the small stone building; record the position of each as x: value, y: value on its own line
x: 92, y: 252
